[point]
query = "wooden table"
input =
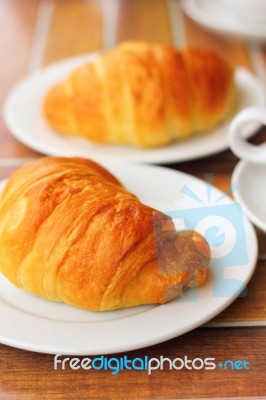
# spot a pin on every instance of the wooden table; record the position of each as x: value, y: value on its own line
x: 34, y: 33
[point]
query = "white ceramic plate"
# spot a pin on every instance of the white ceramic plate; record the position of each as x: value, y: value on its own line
x: 34, y: 324
x: 212, y: 15
x: 24, y: 118
x: 251, y: 193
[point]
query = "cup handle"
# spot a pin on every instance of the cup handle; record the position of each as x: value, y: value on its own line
x: 243, y: 149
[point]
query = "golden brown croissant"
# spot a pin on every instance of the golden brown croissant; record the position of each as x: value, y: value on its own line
x: 144, y: 95
x: 70, y: 232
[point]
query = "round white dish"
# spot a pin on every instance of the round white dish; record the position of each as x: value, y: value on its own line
x: 254, y: 10
x: 23, y: 116
x: 214, y: 16
x: 251, y: 181
x: 35, y: 324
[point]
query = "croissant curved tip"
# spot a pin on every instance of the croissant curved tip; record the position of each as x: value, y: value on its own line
x: 200, y: 243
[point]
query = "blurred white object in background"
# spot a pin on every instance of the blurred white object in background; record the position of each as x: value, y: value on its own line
x: 243, y: 19
x: 249, y: 9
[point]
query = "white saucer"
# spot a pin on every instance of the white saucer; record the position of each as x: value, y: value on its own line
x: 36, y: 324
x: 213, y: 16
x: 251, y: 181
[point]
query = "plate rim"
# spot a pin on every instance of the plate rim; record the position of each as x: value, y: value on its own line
x: 140, y: 343
x: 201, y: 16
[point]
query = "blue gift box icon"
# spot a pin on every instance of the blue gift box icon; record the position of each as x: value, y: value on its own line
x: 222, y: 225
x: 223, y: 228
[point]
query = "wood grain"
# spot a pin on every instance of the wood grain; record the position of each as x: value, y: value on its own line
x: 235, y: 52
x: 263, y: 51
x: 250, y: 306
x: 76, y: 28
x: 144, y: 20
x: 31, y: 376
x: 17, y: 24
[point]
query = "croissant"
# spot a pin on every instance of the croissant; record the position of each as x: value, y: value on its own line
x: 69, y: 232
x: 144, y: 95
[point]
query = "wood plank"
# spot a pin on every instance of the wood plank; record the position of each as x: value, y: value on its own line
x: 251, y: 307
x: 263, y: 52
x: 76, y: 28
x: 144, y: 20
x: 25, y: 375
x: 235, y: 52
x: 221, y: 163
x: 17, y: 24
x: 262, y: 244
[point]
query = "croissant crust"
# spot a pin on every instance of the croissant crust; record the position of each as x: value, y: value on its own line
x: 70, y: 232
x: 143, y: 94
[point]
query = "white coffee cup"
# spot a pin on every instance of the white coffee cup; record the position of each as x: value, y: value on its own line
x: 250, y: 9
x: 238, y: 144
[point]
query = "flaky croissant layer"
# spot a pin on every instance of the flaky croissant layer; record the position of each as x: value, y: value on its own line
x: 143, y: 94
x: 70, y: 232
